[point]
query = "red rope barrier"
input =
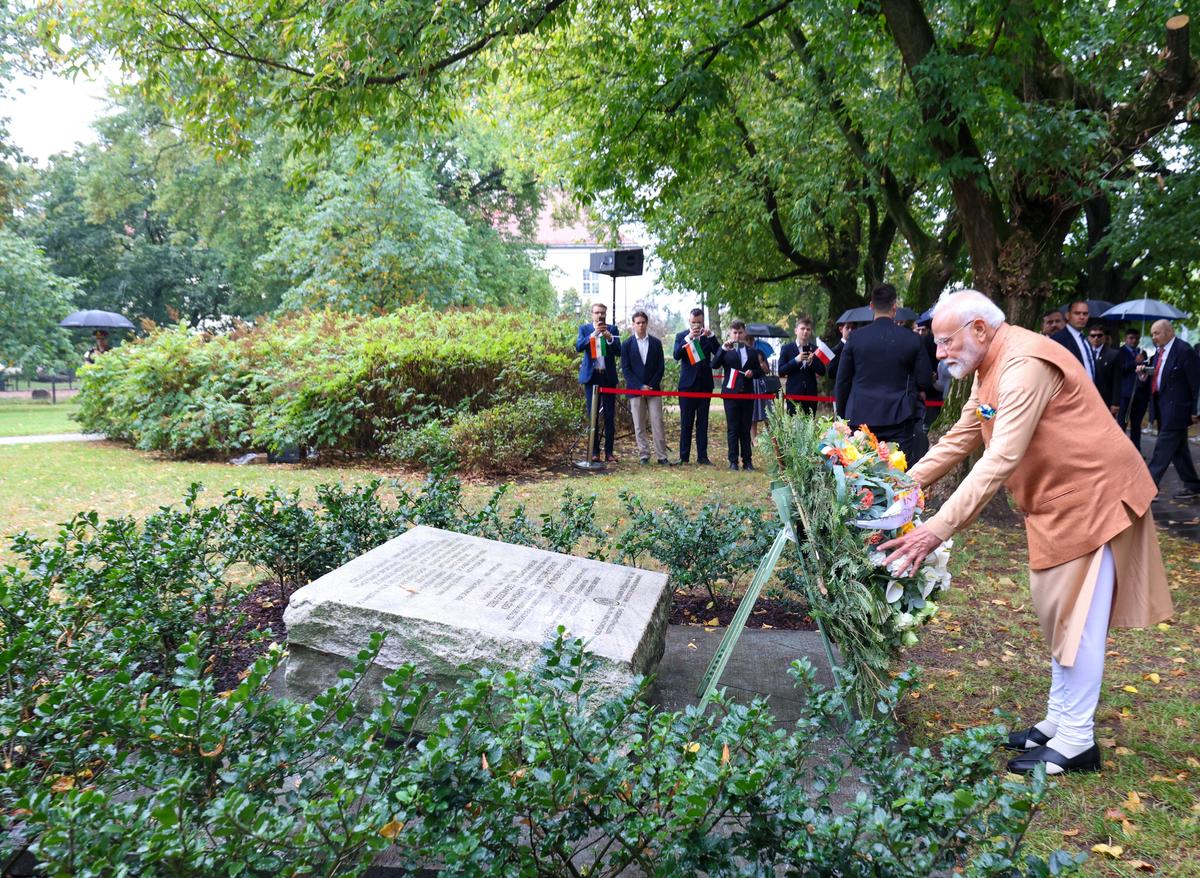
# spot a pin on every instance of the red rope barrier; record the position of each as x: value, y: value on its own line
x: 691, y: 394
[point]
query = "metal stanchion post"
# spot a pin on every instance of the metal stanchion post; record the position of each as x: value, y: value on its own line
x: 590, y: 437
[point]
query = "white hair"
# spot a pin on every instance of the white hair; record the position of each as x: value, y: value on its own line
x: 969, y: 305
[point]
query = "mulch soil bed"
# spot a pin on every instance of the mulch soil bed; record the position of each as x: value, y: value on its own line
x: 263, y: 611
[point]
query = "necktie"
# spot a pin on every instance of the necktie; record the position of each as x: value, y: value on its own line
x: 1089, y: 359
x: 1158, y: 362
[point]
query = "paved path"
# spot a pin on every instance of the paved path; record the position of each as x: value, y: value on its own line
x: 43, y: 438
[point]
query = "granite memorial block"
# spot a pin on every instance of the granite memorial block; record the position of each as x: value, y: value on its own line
x: 446, y: 600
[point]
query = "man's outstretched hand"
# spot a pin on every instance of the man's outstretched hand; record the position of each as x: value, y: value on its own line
x: 907, y: 552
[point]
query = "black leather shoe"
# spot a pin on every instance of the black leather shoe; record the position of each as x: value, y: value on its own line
x: 1055, y: 762
x: 1020, y: 740
x: 733, y: 466
x: 748, y: 466
x: 705, y: 462
x: 1186, y: 496
x: 663, y: 461
x: 643, y: 460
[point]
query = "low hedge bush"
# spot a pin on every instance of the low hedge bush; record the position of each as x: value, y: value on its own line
x: 331, y: 381
x: 122, y: 756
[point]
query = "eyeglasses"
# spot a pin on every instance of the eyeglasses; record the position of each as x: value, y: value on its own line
x: 943, y: 342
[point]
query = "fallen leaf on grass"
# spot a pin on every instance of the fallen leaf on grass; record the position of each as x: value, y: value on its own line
x: 1123, y: 751
x: 1161, y: 779
x: 1133, y: 802
x: 391, y: 829
x: 1114, y: 814
x: 1193, y: 762
x: 713, y: 622
x: 1132, y: 690
x: 63, y: 784
x: 1070, y: 833
x: 1141, y: 865
x: 983, y: 663
x: 1163, y: 626
x: 1128, y: 828
x: 1109, y: 850
x: 1152, y: 677
x: 1108, y: 742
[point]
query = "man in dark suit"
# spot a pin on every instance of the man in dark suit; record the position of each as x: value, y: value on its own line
x: 742, y: 364
x: 1107, y: 364
x: 1129, y: 353
x: 1053, y: 322
x: 1072, y: 337
x: 694, y: 348
x: 642, y: 364
x: 1174, y: 377
x: 884, y: 369
x: 599, y: 342
x: 844, y: 330
x: 799, y: 364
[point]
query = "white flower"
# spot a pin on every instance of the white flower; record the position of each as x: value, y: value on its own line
x: 904, y: 621
x: 876, y: 557
x: 895, y: 591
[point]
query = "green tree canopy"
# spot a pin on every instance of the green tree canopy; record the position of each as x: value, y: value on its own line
x: 795, y: 138
x: 33, y: 299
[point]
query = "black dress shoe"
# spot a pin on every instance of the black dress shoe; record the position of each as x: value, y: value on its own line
x: 748, y: 466
x: 704, y: 462
x: 733, y: 466
x: 662, y: 461
x: 1055, y: 762
x: 1186, y: 496
x: 1018, y: 740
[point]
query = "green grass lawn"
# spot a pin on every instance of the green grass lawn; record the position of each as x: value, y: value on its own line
x: 31, y: 418
x: 43, y: 485
x: 984, y: 654
x: 981, y: 655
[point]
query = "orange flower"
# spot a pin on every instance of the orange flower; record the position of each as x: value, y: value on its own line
x: 866, y: 431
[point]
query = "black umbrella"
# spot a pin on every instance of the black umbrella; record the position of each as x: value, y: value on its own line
x: 95, y: 320
x: 866, y: 315
x: 1096, y: 308
x: 766, y: 330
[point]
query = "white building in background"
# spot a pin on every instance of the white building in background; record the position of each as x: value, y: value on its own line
x: 567, y: 257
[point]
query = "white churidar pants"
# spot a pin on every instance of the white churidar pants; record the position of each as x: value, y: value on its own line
x: 1075, y: 691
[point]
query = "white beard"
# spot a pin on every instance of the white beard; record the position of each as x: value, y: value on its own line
x: 967, y: 362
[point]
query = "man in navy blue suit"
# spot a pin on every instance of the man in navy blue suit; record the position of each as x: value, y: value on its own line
x: 599, y: 343
x: 799, y: 364
x: 742, y: 364
x: 884, y: 370
x: 695, y: 348
x: 642, y: 364
x: 1073, y: 336
x: 1131, y: 356
x: 1174, y: 376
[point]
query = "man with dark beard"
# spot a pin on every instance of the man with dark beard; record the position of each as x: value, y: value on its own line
x: 1093, y: 551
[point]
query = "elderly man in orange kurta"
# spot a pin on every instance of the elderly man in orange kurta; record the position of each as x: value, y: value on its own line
x: 1085, y: 495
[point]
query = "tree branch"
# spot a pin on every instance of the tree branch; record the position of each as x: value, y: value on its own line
x: 895, y: 202
x: 979, y: 206
x: 783, y: 242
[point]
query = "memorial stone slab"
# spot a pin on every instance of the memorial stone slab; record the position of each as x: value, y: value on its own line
x: 447, y: 600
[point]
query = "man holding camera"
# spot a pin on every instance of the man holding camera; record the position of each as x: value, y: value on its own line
x: 742, y: 364
x: 799, y: 364
x: 599, y: 344
x: 695, y: 348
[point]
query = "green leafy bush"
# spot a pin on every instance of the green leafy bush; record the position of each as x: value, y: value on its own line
x: 123, y: 758
x: 429, y: 445
x: 329, y: 381
x: 508, y: 435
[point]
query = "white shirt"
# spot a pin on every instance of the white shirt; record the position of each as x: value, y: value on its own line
x: 643, y: 346
x: 1089, y: 361
x: 1160, y: 365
